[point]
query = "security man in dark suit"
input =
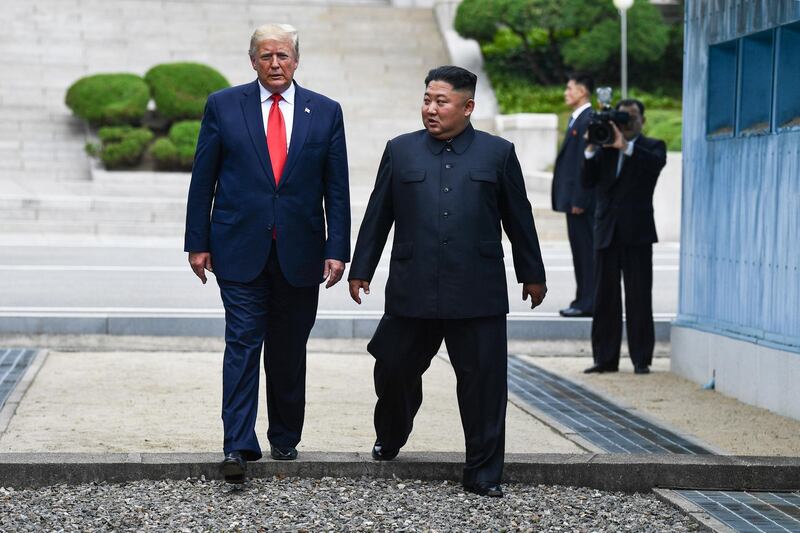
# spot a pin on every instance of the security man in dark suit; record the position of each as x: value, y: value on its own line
x: 624, y: 174
x: 577, y: 202
x: 447, y: 189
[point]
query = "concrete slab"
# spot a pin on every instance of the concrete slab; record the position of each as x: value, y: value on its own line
x: 724, y: 422
x: 119, y: 402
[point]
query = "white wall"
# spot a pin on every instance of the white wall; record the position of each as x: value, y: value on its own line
x: 755, y: 374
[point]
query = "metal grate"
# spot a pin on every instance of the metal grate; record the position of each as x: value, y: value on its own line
x: 608, y: 426
x: 750, y: 512
x: 13, y: 362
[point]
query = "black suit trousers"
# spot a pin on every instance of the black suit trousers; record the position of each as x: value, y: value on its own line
x: 581, y: 241
x: 635, y: 263
x: 403, y: 349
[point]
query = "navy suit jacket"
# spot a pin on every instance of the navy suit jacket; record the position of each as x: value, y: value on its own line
x: 567, y: 191
x: 447, y: 202
x: 624, y: 212
x: 234, y: 203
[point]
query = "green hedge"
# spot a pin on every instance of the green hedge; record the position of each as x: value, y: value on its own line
x: 665, y: 124
x: 121, y: 146
x: 109, y: 99
x: 176, y: 152
x: 180, y: 90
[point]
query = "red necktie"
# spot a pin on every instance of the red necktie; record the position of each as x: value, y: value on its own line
x: 276, y: 138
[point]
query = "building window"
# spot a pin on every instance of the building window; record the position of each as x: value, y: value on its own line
x: 722, y: 63
x: 755, y: 89
x: 787, y: 88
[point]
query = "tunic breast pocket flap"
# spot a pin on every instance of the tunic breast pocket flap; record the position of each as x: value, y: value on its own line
x: 412, y: 176
x: 489, y: 176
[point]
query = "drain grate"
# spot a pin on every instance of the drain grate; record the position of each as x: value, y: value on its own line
x: 13, y: 362
x: 750, y: 512
x: 608, y: 426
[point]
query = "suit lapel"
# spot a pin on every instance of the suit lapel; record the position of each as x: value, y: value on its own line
x: 568, y: 134
x: 303, y: 113
x: 251, y: 108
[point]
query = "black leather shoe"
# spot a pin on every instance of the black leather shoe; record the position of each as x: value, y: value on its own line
x: 282, y: 454
x: 483, y: 488
x: 233, y: 468
x: 574, y: 312
x: 379, y: 453
x: 641, y: 370
x: 599, y: 369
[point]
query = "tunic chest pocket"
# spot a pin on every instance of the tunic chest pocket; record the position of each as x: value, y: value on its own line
x: 488, y: 176
x: 412, y: 176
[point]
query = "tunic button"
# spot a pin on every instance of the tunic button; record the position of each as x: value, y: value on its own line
x: 449, y: 149
x: 448, y: 165
x: 444, y: 242
x: 447, y: 214
x: 446, y: 189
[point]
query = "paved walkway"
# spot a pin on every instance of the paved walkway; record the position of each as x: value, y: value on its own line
x: 120, y: 400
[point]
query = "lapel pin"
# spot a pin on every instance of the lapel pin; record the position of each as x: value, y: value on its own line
x: 307, y: 110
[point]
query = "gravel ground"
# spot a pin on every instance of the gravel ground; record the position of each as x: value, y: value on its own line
x: 293, y: 504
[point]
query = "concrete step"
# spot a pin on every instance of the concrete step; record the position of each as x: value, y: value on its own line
x: 378, y: 82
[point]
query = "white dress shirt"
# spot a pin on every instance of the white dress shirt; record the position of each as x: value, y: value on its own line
x: 286, y: 106
x: 577, y: 113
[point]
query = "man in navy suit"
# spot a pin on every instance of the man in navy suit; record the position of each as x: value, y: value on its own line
x: 568, y: 196
x: 624, y: 174
x: 269, y: 154
x: 447, y: 189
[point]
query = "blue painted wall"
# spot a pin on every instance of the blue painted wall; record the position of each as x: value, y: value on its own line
x: 740, y: 234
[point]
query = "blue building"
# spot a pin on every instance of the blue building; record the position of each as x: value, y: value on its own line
x: 739, y: 307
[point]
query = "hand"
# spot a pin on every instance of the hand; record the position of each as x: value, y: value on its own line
x: 577, y: 210
x: 333, y: 272
x: 200, y: 262
x: 537, y: 292
x: 355, y: 285
x: 620, y: 143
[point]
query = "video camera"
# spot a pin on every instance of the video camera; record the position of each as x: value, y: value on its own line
x: 600, y: 130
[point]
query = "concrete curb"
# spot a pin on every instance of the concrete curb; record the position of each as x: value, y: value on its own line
x: 329, y: 324
x: 622, y: 472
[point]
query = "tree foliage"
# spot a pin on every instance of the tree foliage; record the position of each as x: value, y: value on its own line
x: 548, y: 38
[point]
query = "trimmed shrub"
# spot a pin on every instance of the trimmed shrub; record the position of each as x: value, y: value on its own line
x: 176, y: 152
x: 109, y: 99
x: 123, y: 147
x: 181, y: 89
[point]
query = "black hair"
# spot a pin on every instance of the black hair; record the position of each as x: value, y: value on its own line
x: 629, y: 102
x: 460, y: 78
x: 583, y: 79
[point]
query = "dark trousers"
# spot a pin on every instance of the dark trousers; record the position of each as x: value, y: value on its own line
x: 636, y: 265
x: 403, y: 349
x: 581, y: 241
x: 266, y: 312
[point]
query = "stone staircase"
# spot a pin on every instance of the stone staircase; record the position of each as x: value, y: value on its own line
x: 367, y: 55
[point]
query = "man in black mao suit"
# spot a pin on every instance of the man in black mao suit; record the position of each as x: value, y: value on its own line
x: 577, y: 202
x: 624, y: 174
x: 447, y: 189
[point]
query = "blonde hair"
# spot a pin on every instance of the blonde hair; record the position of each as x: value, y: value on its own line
x: 279, y: 32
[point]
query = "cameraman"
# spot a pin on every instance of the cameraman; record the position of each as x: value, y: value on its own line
x: 624, y: 175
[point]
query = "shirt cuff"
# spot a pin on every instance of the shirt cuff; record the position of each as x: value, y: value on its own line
x: 589, y: 154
